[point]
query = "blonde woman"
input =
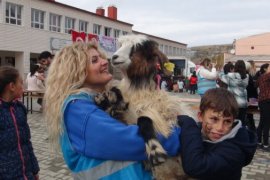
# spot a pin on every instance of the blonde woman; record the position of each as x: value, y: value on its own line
x: 93, y: 144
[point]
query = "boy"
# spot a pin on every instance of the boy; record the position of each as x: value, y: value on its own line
x: 221, y: 147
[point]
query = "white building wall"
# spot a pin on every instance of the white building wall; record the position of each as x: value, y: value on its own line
x: 24, y: 42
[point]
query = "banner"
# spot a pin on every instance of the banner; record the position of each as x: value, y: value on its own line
x: 107, y: 43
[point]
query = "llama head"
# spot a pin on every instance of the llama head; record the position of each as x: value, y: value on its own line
x: 139, y: 59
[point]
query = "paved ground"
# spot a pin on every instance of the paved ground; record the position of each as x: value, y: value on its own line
x: 53, y: 167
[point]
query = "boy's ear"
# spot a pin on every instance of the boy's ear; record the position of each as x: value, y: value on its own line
x: 199, y: 116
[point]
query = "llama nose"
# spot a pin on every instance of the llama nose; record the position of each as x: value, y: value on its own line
x: 114, y: 57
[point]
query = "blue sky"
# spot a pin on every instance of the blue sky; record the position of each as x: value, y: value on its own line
x: 193, y: 22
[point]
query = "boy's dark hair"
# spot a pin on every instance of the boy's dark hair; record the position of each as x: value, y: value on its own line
x: 8, y: 74
x: 45, y: 55
x: 220, y: 100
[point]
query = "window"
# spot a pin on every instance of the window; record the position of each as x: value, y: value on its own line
x: 107, y: 31
x: 83, y: 26
x: 124, y: 32
x: 170, y: 50
x: 116, y: 33
x: 69, y: 24
x: 37, y: 18
x: 174, y: 51
x: 166, y: 50
x: 13, y: 14
x: 55, y: 23
x: 161, y: 47
x: 177, y: 51
x: 97, y: 29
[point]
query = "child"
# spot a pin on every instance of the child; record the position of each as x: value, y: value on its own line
x: 193, y: 83
x: 17, y: 159
x: 221, y: 147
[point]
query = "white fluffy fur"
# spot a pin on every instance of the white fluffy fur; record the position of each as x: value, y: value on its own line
x: 161, y: 107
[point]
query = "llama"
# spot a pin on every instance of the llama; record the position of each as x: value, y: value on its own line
x: 155, y: 111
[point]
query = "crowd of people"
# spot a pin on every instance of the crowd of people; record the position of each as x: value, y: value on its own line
x: 216, y: 145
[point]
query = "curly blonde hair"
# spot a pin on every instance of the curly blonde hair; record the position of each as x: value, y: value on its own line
x: 66, y: 76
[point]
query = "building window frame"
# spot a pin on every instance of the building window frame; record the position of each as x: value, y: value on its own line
x: 116, y: 33
x: 161, y: 47
x: 83, y: 26
x: 69, y: 24
x: 13, y: 13
x: 97, y: 29
x: 107, y: 31
x: 55, y: 22
x: 37, y: 18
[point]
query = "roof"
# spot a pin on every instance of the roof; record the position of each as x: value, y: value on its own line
x: 137, y: 32
x: 88, y: 12
x: 249, y: 57
x: 256, y: 35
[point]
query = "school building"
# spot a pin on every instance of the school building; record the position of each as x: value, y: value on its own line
x: 28, y: 27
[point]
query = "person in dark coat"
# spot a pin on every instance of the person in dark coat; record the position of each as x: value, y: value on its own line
x: 219, y: 146
x: 17, y: 158
x: 251, y: 93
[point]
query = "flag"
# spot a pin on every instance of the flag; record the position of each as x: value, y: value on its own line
x: 78, y: 36
x: 93, y: 37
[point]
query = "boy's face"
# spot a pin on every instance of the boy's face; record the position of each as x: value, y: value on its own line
x: 214, y: 124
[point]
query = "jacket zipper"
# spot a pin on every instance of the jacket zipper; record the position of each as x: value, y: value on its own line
x: 19, y: 143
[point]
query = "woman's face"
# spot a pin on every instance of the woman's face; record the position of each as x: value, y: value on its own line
x: 97, y: 71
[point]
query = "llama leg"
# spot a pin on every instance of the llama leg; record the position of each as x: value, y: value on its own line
x: 155, y: 151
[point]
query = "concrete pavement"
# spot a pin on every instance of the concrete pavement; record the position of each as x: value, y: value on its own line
x: 53, y: 168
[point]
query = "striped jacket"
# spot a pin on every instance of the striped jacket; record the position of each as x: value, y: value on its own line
x: 206, y: 79
x: 17, y: 159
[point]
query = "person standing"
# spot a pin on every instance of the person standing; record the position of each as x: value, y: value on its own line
x: 180, y: 84
x: 207, y: 75
x: 193, y: 83
x: 94, y: 145
x: 237, y: 83
x: 264, y: 105
x: 35, y: 81
x: 252, y: 94
x: 17, y: 158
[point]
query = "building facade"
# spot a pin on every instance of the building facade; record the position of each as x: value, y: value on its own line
x: 256, y: 48
x: 28, y: 27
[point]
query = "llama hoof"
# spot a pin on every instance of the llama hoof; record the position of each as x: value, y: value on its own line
x: 157, y: 155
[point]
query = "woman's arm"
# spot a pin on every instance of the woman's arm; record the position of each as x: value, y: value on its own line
x: 94, y: 133
x: 208, y: 74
